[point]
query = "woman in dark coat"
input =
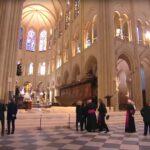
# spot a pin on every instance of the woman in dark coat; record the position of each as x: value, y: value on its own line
x: 11, y: 115
x: 101, y: 118
x: 130, y: 123
x: 79, y: 115
x: 91, y: 116
x: 145, y: 112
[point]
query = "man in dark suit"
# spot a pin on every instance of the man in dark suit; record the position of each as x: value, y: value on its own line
x: 145, y: 112
x: 11, y: 115
x: 2, y: 117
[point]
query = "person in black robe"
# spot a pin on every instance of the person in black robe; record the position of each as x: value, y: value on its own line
x: 145, y: 112
x: 11, y: 115
x: 101, y: 118
x: 91, y: 116
x: 130, y: 122
x: 2, y: 117
x: 79, y: 115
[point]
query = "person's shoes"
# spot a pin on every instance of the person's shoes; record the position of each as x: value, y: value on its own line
x: 12, y: 132
x: 145, y: 134
x: 106, y: 131
x: 8, y: 133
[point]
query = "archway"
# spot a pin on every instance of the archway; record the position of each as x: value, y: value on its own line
x: 123, y: 82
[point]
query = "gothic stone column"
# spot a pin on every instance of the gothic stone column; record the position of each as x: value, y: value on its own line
x: 9, y: 28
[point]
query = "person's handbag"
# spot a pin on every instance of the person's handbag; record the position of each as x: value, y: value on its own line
x: 107, y: 117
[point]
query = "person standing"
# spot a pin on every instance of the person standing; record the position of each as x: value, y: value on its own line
x: 11, y: 115
x: 101, y: 118
x: 145, y: 112
x: 2, y: 117
x: 79, y: 115
x: 91, y: 116
x: 130, y: 122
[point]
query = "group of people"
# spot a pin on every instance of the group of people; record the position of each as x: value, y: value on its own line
x: 11, y: 108
x: 86, y: 116
x: 130, y: 122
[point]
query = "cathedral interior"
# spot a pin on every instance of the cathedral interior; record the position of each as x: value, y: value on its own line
x: 55, y: 52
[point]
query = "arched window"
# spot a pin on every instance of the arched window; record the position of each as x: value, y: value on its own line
x: 30, y: 42
x: 117, y: 25
x: 147, y: 37
x: 76, y: 8
x: 42, y: 68
x: 68, y: 14
x: 43, y: 40
x: 59, y: 61
x: 20, y: 37
x: 139, y: 32
x: 76, y: 46
x: 146, y: 33
x: 125, y: 27
x: 94, y: 29
x: 30, y: 69
x: 88, y: 36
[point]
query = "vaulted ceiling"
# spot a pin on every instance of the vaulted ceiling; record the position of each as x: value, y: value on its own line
x: 41, y: 13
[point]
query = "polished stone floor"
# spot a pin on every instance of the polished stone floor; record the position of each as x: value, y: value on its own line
x: 29, y: 137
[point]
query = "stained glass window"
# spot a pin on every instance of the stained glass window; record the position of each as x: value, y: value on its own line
x: 30, y: 71
x: 88, y: 37
x: 30, y: 43
x: 43, y: 40
x: 42, y: 68
x: 59, y: 62
x: 139, y: 32
x: 118, y: 30
x: 76, y: 7
x: 20, y: 37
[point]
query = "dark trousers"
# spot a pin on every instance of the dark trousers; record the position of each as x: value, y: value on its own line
x: 79, y: 123
x: 2, y: 126
x: 11, y: 122
x: 102, y: 124
x: 146, y: 127
x: 84, y: 123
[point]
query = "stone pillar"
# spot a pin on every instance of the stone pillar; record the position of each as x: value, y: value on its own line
x: 105, y: 55
x: 136, y: 82
x: 9, y: 28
